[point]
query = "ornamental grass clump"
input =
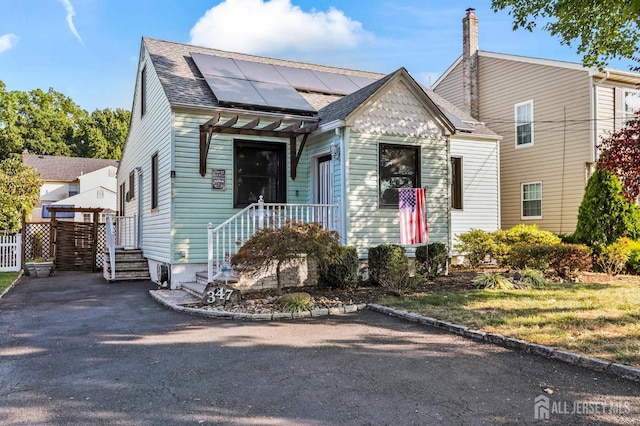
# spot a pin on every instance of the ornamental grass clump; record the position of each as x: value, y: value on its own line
x: 493, y: 281
x: 295, y: 302
x: 532, y: 278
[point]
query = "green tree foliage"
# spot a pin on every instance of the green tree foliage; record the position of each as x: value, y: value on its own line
x: 601, y: 29
x: 19, y: 191
x: 282, y: 246
x: 51, y: 123
x: 605, y: 214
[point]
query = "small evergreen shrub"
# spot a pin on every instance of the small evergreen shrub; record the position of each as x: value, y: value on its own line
x: 385, y: 258
x: 493, y: 281
x: 532, y: 278
x: 613, y: 258
x: 397, y: 278
x: 342, y: 272
x: 570, y: 259
x: 431, y: 260
x: 633, y: 263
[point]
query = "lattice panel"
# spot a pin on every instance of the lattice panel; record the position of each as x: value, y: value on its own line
x: 37, y: 243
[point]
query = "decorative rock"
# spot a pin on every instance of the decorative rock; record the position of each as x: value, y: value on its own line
x: 540, y: 349
x: 319, y: 312
x: 301, y: 314
x: 350, y: 308
x: 475, y: 334
x: 427, y: 320
x: 282, y: 315
x: 261, y: 317
x: 336, y: 311
x: 458, y: 329
x: 411, y: 316
x: 625, y: 371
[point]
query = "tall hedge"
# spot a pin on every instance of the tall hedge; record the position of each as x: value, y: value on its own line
x: 605, y: 215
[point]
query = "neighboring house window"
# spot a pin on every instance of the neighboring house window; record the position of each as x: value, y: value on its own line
x: 532, y: 200
x: 456, y: 182
x: 100, y: 193
x: 73, y: 189
x: 399, y: 167
x: 112, y: 172
x: 260, y: 169
x: 87, y: 217
x: 132, y: 186
x: 102, y: 217
x: 154, y: 181
x: 143, y: 91
x: 631, y: 101
x: 524, y: 124
x: 121, y: 200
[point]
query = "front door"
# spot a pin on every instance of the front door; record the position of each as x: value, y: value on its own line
x: 324, y: 181
x: 323, y: 193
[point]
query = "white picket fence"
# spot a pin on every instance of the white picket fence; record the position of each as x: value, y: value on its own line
x: 10, y: 252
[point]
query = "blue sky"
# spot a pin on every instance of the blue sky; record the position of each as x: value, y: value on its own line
x: 88, y: 49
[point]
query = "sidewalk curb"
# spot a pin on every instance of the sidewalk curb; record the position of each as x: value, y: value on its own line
x: 6, y: 290
x: 597, y: 364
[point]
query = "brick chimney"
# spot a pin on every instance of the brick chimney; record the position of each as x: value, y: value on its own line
x: 470, y: 63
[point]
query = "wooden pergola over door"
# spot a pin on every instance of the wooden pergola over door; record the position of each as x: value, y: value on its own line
x: 74, y: 244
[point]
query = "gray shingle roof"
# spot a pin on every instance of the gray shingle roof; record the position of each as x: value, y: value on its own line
x: 184, y: 85
x: 64, y: 169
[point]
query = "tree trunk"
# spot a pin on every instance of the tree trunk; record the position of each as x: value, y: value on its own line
x: 279, y: 287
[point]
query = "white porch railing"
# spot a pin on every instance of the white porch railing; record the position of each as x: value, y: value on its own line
x: 226, y: 239
x: 122, y: 232
x: 10, y: 252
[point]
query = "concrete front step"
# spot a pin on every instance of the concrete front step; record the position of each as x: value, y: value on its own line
x: 194, y: 288
x: 130, y: 265
x: 127, y: 275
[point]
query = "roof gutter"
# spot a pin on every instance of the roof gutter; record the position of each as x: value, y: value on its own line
x: 224, y: 111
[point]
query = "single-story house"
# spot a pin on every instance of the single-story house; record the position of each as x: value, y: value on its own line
x: 214, y: 132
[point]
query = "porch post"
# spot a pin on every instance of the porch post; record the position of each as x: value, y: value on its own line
x: 260, y: 213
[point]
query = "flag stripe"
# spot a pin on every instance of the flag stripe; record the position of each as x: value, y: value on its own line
x: 413, y: 216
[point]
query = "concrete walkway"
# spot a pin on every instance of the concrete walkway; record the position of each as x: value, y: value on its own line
x: 75, y: 350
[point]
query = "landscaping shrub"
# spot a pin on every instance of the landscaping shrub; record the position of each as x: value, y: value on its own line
x: 342, y: 272
x: 383, y: 258
x: 530, y: 234
x: 295, y: 302
x: 612, y: 258
x: 605, y: 214
x: 493, y: 281
x: 523, y: 256
x: 397, y: 279
x: 633, y: 263
x: 569, y: 259
x: 431, y: 260
x: 477, y: 245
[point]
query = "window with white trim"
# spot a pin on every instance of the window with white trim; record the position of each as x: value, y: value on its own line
x: 532, y: 200
x: 524, y: 123
x: 631, y: 103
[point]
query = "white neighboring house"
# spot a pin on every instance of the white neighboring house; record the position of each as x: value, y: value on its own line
x: 74, y: 181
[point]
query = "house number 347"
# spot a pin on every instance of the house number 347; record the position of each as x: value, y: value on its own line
x: 219, y: 294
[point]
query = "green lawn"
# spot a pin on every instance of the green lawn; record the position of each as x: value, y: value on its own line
x: 6, y: 278
x: 596, y: 319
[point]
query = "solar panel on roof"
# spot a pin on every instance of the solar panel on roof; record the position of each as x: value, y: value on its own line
x: 301, y: 78
x: 257, y: 71
x: 215, y: 65
x: 361, y: 81
x: 336, y: 82
x: 234, y: 91
x: 286, y: 97
x: 457, y: 123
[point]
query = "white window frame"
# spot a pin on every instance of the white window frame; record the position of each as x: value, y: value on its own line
x: 626, y: 114
x: 522, y: 200
x: 518, y: 123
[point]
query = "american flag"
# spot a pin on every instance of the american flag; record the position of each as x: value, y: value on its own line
x: 413, y: 216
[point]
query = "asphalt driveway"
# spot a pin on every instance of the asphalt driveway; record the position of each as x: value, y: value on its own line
x: 75, y: 350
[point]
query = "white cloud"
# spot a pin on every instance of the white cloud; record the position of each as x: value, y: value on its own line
x: 8, y: 41
x: 261, y: 27
x: 70, y: 14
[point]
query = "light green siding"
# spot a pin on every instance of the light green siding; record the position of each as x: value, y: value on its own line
x: 149, y: 134
x: 195, y: 204
x: 369, y: 225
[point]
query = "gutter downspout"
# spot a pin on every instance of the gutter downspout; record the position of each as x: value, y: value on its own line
x: 594, y: 114
x: 140, y: 207
x: 340, y: 133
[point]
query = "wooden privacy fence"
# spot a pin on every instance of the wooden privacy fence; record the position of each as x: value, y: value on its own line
x: 10, y: 252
